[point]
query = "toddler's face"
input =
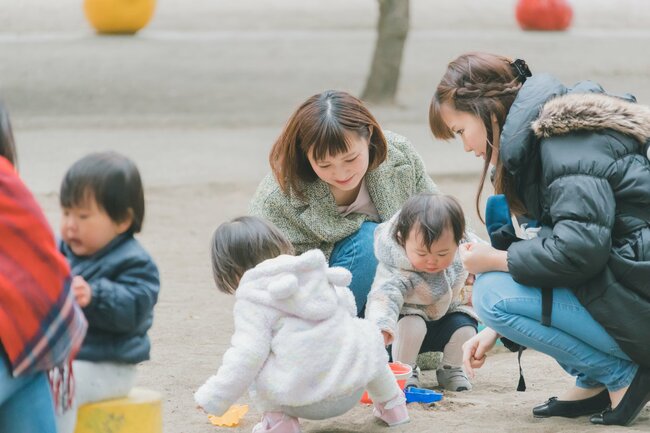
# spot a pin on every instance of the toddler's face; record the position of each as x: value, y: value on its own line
x: 434, y: 259
x: 87, y: 228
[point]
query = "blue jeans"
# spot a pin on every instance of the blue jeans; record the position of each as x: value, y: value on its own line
x: 578, y: 343
x: 356, y: 254
x: 25, y: 402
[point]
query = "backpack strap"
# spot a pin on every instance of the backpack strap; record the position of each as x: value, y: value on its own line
x: 547, y: 306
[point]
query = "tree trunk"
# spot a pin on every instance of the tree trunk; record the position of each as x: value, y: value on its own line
x: 392, y: 29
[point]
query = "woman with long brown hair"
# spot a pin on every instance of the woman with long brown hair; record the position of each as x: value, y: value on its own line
x: 573, y: 160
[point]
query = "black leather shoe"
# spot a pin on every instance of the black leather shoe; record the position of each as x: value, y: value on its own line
x: 573, y: 409
x: 634, y: 400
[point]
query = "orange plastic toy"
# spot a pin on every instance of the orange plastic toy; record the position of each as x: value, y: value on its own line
x: 401, y: 372
x: 231, y: 418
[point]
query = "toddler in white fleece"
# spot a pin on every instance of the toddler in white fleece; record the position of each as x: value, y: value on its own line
x: 298, y: 344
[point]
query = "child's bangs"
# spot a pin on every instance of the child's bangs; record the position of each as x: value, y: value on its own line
x: 77, y: 194
x: 429, y: 233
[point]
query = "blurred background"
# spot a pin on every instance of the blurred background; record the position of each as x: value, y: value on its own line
x: 223, y: 76
x: 198, y: 96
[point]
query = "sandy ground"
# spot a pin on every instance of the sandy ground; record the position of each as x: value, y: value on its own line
x: 197, y: 99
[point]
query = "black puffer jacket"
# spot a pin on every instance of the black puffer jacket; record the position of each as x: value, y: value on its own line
x: 577, y: 157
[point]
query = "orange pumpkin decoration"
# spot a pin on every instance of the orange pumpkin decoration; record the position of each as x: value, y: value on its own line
x: 119, y: 16
x: 544, y: 14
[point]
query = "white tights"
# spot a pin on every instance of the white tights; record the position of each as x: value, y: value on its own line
x: 410, y: 334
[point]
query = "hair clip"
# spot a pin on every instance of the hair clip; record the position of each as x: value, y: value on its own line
x: 521, y: 70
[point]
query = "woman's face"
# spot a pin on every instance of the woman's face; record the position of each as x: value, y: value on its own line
x: 345, y: 171
x: 471, y: 129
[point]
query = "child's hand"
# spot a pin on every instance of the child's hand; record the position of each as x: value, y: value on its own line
x: 470, y: 280
x: 475, y: 349
x: 81, y: 291
x: 479, y: 258
x: 387, y: 338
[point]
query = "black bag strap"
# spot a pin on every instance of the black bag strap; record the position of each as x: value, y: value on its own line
x: 547, y: 306
x: 521, y: 386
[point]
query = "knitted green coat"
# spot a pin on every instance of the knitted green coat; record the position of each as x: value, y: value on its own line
x: 314, y: 222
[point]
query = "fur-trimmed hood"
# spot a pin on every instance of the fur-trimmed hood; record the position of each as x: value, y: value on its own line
x: 593, y: 112
x: 544, y: 107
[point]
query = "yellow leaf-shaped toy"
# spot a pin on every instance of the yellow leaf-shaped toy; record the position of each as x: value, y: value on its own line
x: 231, y: 418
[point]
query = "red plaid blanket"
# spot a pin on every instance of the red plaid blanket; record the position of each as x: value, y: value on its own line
x: 40, y: 323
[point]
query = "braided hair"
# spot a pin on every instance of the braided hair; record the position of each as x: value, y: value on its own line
x: 484, y: 85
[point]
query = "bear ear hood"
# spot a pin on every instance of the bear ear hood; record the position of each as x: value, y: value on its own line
x: 284, y: 287
x: 302, y: 285
x: 593, y: 112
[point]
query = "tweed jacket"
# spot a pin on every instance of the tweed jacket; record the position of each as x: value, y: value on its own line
x: 398, y: 288
x: 314, y: 222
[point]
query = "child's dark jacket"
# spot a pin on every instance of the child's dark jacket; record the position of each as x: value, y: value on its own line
x: 125, y: 285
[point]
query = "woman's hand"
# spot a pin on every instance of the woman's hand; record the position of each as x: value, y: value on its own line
x: 475, y: 349
x: 479, y: 258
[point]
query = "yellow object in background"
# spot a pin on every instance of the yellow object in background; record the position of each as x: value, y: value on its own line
x: 140, y: 412
x: 119, y: 16
x: 231, y: 418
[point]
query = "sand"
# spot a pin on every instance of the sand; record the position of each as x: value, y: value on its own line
x: 197, y: 98
x: 193, y: 324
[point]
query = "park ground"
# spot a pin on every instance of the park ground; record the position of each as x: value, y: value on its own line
x: 197, y: 98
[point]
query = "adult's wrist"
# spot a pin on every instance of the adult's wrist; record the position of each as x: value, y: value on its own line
x: 500, y: 261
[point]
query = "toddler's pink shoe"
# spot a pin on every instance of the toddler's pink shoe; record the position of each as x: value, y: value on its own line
x: 277, y: 422
x: 393, y: 412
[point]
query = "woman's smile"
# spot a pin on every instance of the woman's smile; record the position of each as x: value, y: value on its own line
x: 345, y: 181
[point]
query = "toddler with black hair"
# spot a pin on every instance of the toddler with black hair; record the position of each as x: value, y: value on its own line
x: 417, y: 298
x: 298, y: 346
x: 115, y: 281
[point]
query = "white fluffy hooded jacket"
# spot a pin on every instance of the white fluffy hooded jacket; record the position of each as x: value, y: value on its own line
x: 297, y: 339
x: 399, y: 289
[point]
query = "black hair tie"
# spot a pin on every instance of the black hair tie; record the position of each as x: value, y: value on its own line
x: 521, y: 70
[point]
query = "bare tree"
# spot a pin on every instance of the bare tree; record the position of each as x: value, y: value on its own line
x: 392, y: 29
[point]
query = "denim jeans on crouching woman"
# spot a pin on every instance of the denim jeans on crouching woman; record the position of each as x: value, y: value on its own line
x: 578, y: 343
x: 356, y: 254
